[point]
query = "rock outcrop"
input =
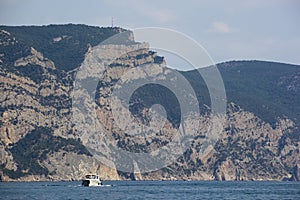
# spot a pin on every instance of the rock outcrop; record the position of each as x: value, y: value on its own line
x: 61, y: 125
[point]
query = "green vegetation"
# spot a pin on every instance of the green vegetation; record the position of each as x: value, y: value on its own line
x: 150, y: 94
x: 12, y: 50
x: 31, y: 150
x: 254, y: 85
x: 65, y: 45
x: 34, y: 72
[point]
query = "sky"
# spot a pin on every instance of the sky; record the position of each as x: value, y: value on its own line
x: 228, y: 30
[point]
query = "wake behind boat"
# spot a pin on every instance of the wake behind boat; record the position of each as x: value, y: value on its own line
x: 91, y: 180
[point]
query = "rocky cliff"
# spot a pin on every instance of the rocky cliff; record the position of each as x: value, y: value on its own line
x: 57, y: 119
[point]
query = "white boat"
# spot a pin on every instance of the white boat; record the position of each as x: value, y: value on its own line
x: 91, y: 180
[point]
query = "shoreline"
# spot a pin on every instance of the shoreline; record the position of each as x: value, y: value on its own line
x: 150, y: 180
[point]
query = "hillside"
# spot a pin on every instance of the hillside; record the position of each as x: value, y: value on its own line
x: 65, y: 45
x: 268, y: 89
x: 46, y: 135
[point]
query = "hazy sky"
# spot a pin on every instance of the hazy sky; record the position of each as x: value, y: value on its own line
x: 228, y: 30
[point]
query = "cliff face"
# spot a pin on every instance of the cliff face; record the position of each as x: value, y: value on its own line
x: 37, y: 139
x: 249, y: 149
x: 53, y: 120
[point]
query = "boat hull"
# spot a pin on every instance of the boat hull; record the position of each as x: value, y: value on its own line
x: 88, y: 183
x: 91, y: 180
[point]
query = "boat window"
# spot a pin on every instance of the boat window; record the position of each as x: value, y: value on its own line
x: 92, y: 177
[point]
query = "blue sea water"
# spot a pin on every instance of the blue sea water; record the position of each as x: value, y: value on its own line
x: 151, y: 190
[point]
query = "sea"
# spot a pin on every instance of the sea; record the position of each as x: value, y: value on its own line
x: 152, y: 190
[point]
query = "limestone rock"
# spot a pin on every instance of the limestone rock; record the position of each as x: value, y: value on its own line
x: 36, y: 58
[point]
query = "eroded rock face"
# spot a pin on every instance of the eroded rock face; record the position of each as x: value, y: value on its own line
x: 71, y: 166
x: 78, y: 108
x: 248, y: 149
x: 29, y: 104
x: 36, y: 58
